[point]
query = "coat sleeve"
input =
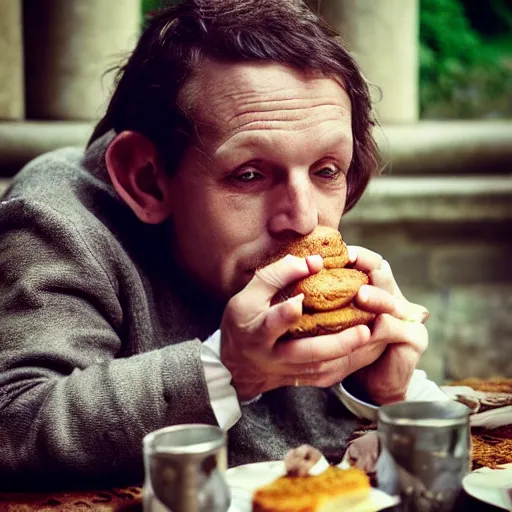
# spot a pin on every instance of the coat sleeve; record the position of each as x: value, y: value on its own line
x: 70, y: 408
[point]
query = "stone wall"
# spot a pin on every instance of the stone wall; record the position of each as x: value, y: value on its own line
x: 451, y: 251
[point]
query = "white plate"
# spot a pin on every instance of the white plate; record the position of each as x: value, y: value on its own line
x: 493, y: 486
x: 244, y: 480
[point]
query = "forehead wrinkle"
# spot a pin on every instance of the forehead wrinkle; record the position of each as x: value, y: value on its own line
x: 230, y: 101
x: 234, y: 102
x: 290, y: 119
x: 245, y: 99
x: 243, y: 103
x: 291, y: 115
x: 280, y: 125
x: 276, y: 106
x: 338, y: 115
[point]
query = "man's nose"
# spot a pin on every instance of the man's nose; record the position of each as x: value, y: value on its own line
x: 295, y: 208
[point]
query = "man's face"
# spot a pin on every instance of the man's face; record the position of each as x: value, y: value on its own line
x: 271, y: 163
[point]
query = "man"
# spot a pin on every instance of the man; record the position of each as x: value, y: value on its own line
x: 236, y: 126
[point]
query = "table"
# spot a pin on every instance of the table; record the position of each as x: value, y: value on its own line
x: 127, y: 500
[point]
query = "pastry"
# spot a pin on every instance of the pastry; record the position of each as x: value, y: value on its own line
x: 326, y: 242
x: 300, y: 491
x: 328, y: 295
x: 329, y: 289
x: 328, y: 322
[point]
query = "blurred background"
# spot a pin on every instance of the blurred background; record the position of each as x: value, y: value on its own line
x: 441, y: 79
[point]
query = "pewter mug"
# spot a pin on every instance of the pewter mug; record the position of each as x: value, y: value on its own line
x: 425, y: 453
x: 184, y: 466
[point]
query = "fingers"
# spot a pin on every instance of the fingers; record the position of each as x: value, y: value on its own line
x: 363, y: 452
x: 364, y: 259
x: 379, y: 301
x: 320, y: 375
x: 281, y: 316
x: 330, y: 372
x: 376, y: 267
x: 392, y: 330
x: 383, y: 277
x: 385, y: 295
x: 311, y: 351
x: 272, y: 278
x: 315, y: 263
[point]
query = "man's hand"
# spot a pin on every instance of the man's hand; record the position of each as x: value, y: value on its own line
x: 251, y: 325
x: 398, y: 330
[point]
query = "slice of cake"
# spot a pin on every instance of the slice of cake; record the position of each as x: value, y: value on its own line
x: 332, y: 490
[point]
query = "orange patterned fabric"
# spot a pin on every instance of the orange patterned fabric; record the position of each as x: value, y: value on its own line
x: 490, y: 447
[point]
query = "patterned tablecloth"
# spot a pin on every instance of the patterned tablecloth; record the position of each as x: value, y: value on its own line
x: 110, y: 500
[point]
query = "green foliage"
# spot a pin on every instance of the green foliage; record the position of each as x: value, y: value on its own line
x: 459, y: 76
x: 149, y: 6
x: 153, y: 5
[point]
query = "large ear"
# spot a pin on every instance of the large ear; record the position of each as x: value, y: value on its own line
x: 139, y: 177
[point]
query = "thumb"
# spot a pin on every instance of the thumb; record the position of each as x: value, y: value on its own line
x: 269, y: 280
x: 281, y: 316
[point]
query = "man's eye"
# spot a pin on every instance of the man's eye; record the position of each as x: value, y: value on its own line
x: 328, y: 172
x: 248, y: 176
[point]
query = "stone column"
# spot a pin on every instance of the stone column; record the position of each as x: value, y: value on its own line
x: 383, y: 35
x: 69, y: 45
x: 11, y: 60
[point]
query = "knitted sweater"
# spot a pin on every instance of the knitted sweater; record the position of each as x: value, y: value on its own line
x: 100, y: 339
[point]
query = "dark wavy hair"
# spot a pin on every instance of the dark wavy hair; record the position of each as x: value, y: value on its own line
x: 178, y: 39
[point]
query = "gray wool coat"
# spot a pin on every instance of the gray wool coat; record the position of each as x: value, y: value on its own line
x: 100, y: 340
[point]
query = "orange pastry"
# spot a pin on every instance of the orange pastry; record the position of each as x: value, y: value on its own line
x: 334, y: 489
x: 329, y: 289
x: 329, y: 294
x: 328, y: 322
x: 326, y: 242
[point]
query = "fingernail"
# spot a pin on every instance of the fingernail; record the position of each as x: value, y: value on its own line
x: 352, y: 253
x: 315, y: 259
x: 385, y: 266
x: 363, y: 294
x: 297, y: 299
x: 412, y: 315
x: 288, y: 258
